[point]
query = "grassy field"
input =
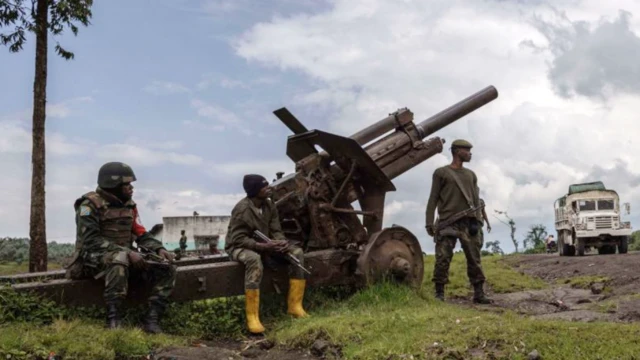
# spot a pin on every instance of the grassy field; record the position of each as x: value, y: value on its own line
x: 382, y: 322
x: 13, y: 268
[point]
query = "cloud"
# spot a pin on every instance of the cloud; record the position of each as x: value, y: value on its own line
x: 592, y: 59
x: 165, y: 88
x: 365, y: 60
x: 141, y: 156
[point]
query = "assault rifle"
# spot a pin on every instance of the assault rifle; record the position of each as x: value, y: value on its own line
x: 265, y: 239
x: 457, y: 216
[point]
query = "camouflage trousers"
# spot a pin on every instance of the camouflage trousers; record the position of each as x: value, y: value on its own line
x: 471, y: 245
x: 118, y: 274
x: 254, y: 268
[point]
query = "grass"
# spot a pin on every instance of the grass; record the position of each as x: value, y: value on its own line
x: 79, y: 340
x: 14, y: 268
x: 583, y: 282
x: 384, y: 321
x: 389, y: 322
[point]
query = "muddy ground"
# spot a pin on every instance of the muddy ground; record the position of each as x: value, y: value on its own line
x: 614, y: 300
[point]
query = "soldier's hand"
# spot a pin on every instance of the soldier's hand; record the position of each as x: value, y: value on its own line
x: 430, y: 231
x: 137, y: 261
x: 270, y: 246
x: 488, y: 228
x: 282, y: 246
x: 165, y: 254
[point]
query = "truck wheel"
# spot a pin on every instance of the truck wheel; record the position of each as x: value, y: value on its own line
x: 568, y: 250
x: 580, y: 247
x: 624, y: 244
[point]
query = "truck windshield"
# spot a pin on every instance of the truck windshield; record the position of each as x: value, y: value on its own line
x: 587, y: 205
x: 605, y: 204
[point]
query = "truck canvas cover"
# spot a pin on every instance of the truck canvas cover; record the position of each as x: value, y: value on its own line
x: 578, y: 188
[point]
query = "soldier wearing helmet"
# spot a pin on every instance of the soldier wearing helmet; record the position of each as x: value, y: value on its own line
x: 107, y: 224
x: 454, y: 190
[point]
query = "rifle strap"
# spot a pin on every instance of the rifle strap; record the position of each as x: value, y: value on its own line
x: 459, y: 183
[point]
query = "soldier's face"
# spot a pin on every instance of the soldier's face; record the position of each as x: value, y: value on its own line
x: 127, y: 191
x: 464, y: 154
x: 265, y: 192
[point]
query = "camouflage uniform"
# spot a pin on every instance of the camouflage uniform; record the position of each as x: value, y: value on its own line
x: 105, y: 230
x: 449, y: 199
x: 245, y: 218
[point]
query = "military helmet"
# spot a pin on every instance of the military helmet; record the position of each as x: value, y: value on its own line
x: 114, y: 174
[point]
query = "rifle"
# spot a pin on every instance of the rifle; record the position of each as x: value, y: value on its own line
x: 291, y: 258
x: 152, y: 258
x: 458, y: 216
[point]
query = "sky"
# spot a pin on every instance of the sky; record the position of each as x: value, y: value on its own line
x: 184, y: 93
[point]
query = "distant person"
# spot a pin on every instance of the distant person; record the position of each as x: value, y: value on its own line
x: 550, y: 242
x: 257, y: 212
x: 183, y: 243
x: 454, y: 189
x: 107, y: 223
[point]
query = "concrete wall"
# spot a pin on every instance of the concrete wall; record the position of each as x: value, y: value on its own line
x: 193, y: 225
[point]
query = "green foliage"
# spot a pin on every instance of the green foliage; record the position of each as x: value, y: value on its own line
x: 634, y: 241
x: 21, y: 17
x: 17, y: 249
x: 494, y: 246
x: 534, y: 241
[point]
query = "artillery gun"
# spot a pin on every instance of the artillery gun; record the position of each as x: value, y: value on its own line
x: 343, y: 245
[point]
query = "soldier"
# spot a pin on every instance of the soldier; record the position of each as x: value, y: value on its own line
x: 454, y: 190
x: 183, y: 243
x: 107, y: 223
x: 257, y: 212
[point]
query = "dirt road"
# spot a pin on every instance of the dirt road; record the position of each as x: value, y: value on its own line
x: 583, y: 288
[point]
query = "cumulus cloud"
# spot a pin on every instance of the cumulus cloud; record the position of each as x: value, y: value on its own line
x: 366, y: 59
x: 593, y: 59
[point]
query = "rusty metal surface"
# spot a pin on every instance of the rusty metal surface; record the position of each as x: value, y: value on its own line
x: 195, y: 282
x: 392, y: 253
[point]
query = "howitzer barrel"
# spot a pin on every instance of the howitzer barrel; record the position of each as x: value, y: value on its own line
x: 458, y: 110
x: 402, y: 150
x: 400, y: 118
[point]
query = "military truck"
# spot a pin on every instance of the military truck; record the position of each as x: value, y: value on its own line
x: 589, y: 216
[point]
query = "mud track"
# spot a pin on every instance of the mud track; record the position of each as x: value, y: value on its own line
x: 613, y: 297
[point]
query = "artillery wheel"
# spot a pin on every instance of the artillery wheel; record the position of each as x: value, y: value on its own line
x: 392, y: 253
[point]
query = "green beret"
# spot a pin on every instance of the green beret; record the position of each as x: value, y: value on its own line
x: 461, y: 143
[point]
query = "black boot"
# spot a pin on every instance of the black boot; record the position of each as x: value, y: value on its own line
x: 440, y: 291
x: 152, y: 320
x: 113, y: 315
x: 478, y: 294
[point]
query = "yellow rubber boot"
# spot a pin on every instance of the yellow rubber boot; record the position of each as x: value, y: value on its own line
x: 294, y: 299
x: 252, y: 310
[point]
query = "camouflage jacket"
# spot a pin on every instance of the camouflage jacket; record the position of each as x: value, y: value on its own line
x: 246, y: 218
x: 104, y: 224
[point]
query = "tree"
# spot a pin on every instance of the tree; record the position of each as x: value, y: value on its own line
x: 536, y: 237
x: 511, y: 224
x: 40, y: 17
x: 494, y: 246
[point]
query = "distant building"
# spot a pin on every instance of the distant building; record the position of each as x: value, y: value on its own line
x: 199, y: 230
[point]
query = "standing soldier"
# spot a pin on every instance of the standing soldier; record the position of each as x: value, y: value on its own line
x: 257, y: 212
x: 183, y: 243
x: 107, y: 223
x: 454, y: 191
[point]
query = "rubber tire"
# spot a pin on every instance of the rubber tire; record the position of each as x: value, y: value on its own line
x: 568, y: 250
x: 623, y: 246
x: 580, y: 248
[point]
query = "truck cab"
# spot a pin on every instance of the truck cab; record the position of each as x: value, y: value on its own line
x: 589, y: 216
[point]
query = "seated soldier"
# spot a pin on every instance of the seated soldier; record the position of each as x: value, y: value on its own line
x: 257, y: 212
x: 107, y: 223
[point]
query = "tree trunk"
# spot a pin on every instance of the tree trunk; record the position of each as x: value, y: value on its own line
x: 37, y: 226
